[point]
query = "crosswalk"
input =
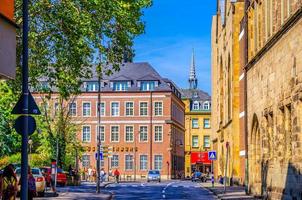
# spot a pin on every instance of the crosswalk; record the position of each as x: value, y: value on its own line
x: 149, y: 185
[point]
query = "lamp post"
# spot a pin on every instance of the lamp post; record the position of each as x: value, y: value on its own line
x: 30, y: 142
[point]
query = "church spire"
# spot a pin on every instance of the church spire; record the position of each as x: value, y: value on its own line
x: 192, y: 77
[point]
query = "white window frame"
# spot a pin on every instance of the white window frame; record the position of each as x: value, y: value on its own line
x: 83, y: 133
x: 132, y: 160
x: 162, y: 161
x: 204, y: 126
x: 140, y: 162
x: 89, y: 156
x: 162, y: 133
x: 195, y: 119
x: 206, y: 104
x: 111, y: 109
x: 84, y: 102
x: 206, y: 136
x: 194, y: 104
x: 162, y: 108
x: 125, y: 133
x: 76, y: 109
x: 96, y: 133
x: 111, y: 133
x: 102, y: 102
x: 118, y: 161
x: 140, y: 114
x: 140, y: 133
x: 126, y: 108
x: 195, y: 136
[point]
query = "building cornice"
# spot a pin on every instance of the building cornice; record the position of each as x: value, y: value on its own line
x: 272, y: 41
x: 11, y: 22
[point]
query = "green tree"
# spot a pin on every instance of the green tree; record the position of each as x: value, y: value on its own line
x: 67, y: 38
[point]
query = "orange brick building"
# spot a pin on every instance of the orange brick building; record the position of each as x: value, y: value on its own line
x: 7, y: 40
x: 142, y: 121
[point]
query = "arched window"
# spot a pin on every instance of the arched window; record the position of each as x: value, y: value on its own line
x: 206, y: 105
x: 196, y: 105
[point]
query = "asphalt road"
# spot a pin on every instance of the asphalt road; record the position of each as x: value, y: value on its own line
x: 175, y: 190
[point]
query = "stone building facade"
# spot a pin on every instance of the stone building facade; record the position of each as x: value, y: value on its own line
x: 197, y: 125
x: 274, y: 97
x: 225, y: 90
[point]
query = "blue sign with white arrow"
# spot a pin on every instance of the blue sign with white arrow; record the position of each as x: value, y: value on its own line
x: 101, y: 156
x: 212, y: 155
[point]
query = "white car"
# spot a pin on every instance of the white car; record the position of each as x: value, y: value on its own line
x: 40, y: 180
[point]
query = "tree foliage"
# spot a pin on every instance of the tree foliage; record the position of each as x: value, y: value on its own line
x: 67, y: 38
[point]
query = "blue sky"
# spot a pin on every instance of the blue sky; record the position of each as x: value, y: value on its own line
x: 173, y: 28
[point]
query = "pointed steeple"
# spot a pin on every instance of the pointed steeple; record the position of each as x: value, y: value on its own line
x: 192, y: 77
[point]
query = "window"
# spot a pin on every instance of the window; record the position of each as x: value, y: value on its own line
x: 120, y: 86
x: 115, y: 109
x: 195, y: 123
x: 102, y: 133
x: 158, y: 135
x: 206, y: 141
x: 196, y: 105
x: 143, y: 162
x: 114, y: 161
x: 129, y: 162
x: 129, y: 134
x: 73, y: 109
x: 86, y: 160
x: 114, y: 134
x: 158, y: 108
x: 206, y: 123
x: 86, y: 109
x: 147, y: 85
x: 86, y: 134
x: 143, y: 133
x: 206, y: 106
x: 195, y: 141
x: 143, y: 108
x: 102, y: 109
x: 129, y: 108
x: 56, y: 108
x: 158, y: 162
x: 92, y: 86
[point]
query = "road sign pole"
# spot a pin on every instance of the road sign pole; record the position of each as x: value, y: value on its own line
x: 24, y: 154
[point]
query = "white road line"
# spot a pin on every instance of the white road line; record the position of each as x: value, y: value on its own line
x: 164, y: 196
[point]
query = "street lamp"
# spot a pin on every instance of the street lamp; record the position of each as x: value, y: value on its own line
x: 30, y: 142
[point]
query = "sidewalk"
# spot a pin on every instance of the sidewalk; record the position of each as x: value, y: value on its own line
x: 232, y: 192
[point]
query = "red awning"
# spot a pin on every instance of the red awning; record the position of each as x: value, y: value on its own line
x: 200, y: 158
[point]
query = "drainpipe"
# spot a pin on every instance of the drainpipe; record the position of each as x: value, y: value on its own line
x: 246, y: 5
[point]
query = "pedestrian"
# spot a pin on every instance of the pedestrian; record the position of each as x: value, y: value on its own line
x: 102, y: 175
x: 94, y: 175
x: 9, y: 185
x: 70, y: 173
x: 32, y: 191
x: 89, y: 174
x: 117, y: 175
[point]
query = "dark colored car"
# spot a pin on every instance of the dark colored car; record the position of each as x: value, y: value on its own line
x: 61, y: 176
x: 198, y: 176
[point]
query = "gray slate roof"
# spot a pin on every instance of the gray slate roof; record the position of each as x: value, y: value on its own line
x: 190, y: 94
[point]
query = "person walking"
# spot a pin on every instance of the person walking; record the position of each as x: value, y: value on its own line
x: 90, y: 174
x: 102, y: 173
x: 117, y: 175
x: 32, y: 191
x: 9, y: 185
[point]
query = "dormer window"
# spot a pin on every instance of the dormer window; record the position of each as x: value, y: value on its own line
x: 91, y: 86
x: 147, y: 85
x: 120, y: 86
x: 206, y: 105
x: 195, y: 105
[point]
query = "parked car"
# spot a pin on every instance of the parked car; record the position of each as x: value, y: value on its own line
x: 61, y: 176
x: 40, y: 180
x: 198, y: 176
x: 153, y: 175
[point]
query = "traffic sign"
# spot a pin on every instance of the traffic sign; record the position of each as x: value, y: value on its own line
x: 31, y: 124
x: 212, y: 155
x: 32, y: 106
x: 101, y: 156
